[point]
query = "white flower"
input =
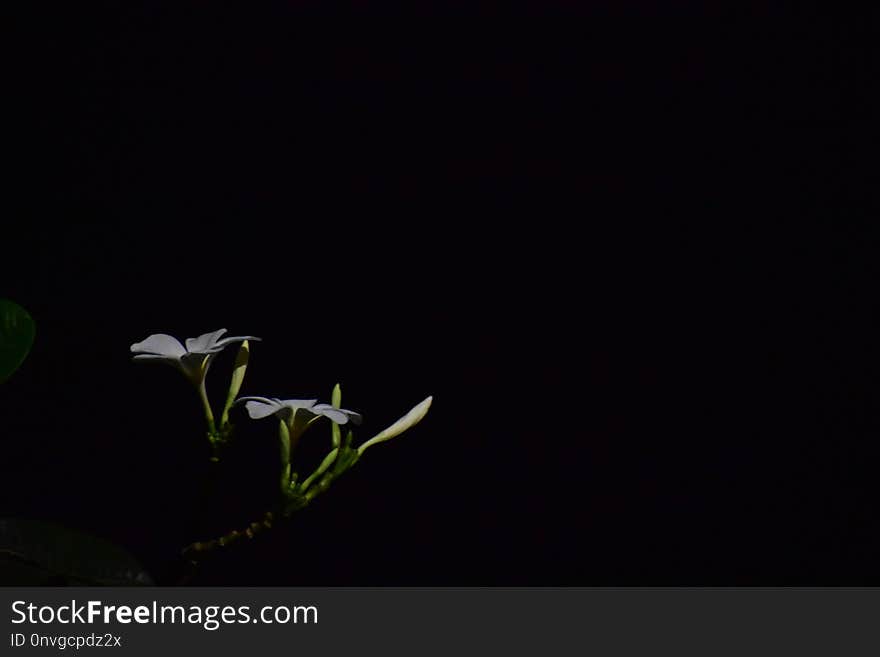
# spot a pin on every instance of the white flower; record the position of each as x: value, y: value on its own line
x: 193, y: 359
x: 298, y: 414
x: 289, y: 409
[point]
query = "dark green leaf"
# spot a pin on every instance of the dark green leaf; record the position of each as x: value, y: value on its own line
x: 35, y: 553
x: 16, y: 337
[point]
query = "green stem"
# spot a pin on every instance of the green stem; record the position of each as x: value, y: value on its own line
x: 206, y: 405
x: 195, y: 551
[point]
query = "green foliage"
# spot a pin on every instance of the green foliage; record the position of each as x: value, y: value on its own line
x: 17, y: 332
x: 34, y: 553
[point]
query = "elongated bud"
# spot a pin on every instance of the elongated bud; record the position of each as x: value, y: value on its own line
x: 241, y: 363
x: 336, y: 402
x: 406, y: 422
x: 283, y: 443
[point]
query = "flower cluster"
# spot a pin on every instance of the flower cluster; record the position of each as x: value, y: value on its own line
x: 194, y: 357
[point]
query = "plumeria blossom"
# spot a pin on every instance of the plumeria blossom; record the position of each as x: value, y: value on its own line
x: 193, y: 359
x: 290, y: 410
x: 295, y: 416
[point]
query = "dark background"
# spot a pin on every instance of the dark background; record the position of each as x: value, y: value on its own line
x: 626, y: 249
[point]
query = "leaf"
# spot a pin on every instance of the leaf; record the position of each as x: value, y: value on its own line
x: 16, y: 337
x: 33, y: 553
x: 406, y: 422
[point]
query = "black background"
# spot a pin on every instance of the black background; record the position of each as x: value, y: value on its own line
x: 626, y: 249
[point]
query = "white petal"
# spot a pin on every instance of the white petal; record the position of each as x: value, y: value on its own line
x: 338, y: 415
x: 294, y: 404
x: 334, y: 414
x: 265, y: 400
x: 161, y: 344
x: 299, y: 419
x: 204, y: 342
x: 357, y: 418
x: 258, y: 410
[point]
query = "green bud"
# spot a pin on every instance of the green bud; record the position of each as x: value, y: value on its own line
x: 241, y: 363
x: 406, y: 422
x: 284, y: 443
x: 336, y: 402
